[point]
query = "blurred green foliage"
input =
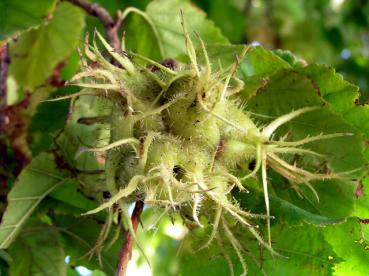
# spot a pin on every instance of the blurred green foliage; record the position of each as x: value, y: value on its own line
x: 334, y: 32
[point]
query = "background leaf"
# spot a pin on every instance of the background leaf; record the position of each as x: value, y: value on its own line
x: 80, y: 235
x: 18, y: 15
x: 286, y: 91
x: 35, y: 182
x: 165, y: 18
x: 35, y: 54
x: 37, y: 251
x: 349, y: 243
x: 305, y: 250
x: 41, y: 132
x: 68, y: 193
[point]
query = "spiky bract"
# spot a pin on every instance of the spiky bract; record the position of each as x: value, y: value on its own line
x: 177, y: 136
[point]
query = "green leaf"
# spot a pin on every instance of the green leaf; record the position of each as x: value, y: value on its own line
x: 362, y: 199
x: 349, y: 244
x: 35, y: 182
x: 98, y: 273
x: 220, y: 12
x: 80, y: 236
x: 332, y: 87
x: 285, y: 210
x: 18, y: 15
x: 164, y: 20
x: 37, y: 251
x: 41, y: 132
x: 305, y: 250
x: 72, y: 272
x: 71, y: 67
x: 220, y: 55
x: 68, y: 193
x: 260, y: 61
x: 341, y: 95
x: 207, y: 262
x: 5, y: 256
x: 294, y: 215
x: 289, y: 57
x: 143, y: 41
x: 339, y: 249
x: 35, y: 54
x: 286, y: 91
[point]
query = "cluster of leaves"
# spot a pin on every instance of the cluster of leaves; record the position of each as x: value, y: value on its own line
x: 323, y: 31
x: 42, y: 222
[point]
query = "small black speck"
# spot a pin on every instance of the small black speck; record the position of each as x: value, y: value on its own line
x: 106, y: 194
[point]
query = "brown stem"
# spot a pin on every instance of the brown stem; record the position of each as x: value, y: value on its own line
x: 111, y: 26
x: 247, y: 8
x: 126, y: 250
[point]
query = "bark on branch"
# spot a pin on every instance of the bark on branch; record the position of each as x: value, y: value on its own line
x: 111, y: 26
x: 126, y: 250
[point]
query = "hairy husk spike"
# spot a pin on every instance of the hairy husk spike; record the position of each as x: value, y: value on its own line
x: 179, y: 138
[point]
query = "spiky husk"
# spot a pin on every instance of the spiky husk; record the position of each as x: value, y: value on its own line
x: 178, y: 134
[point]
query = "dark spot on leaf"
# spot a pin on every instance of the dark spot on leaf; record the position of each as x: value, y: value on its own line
x: 262, y: 86
x: 364, y: 221
x: 252, y: 165
x: 316, y: 87
x: 359, y: 190
x: 56, y: 79
x: 106, y: 194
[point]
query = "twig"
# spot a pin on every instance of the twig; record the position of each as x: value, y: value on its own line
x: 111, y: 26
x: 247, y: 8
x: 126, y: 250
x: 276, y: 38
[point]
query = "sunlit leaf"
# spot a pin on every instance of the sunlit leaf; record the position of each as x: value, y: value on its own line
x: 35, y: 182
x: 37, y: 251
x: 348, y: 243
x: 17, y: 15
x: 35, y: 54
x: 164, y: 23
